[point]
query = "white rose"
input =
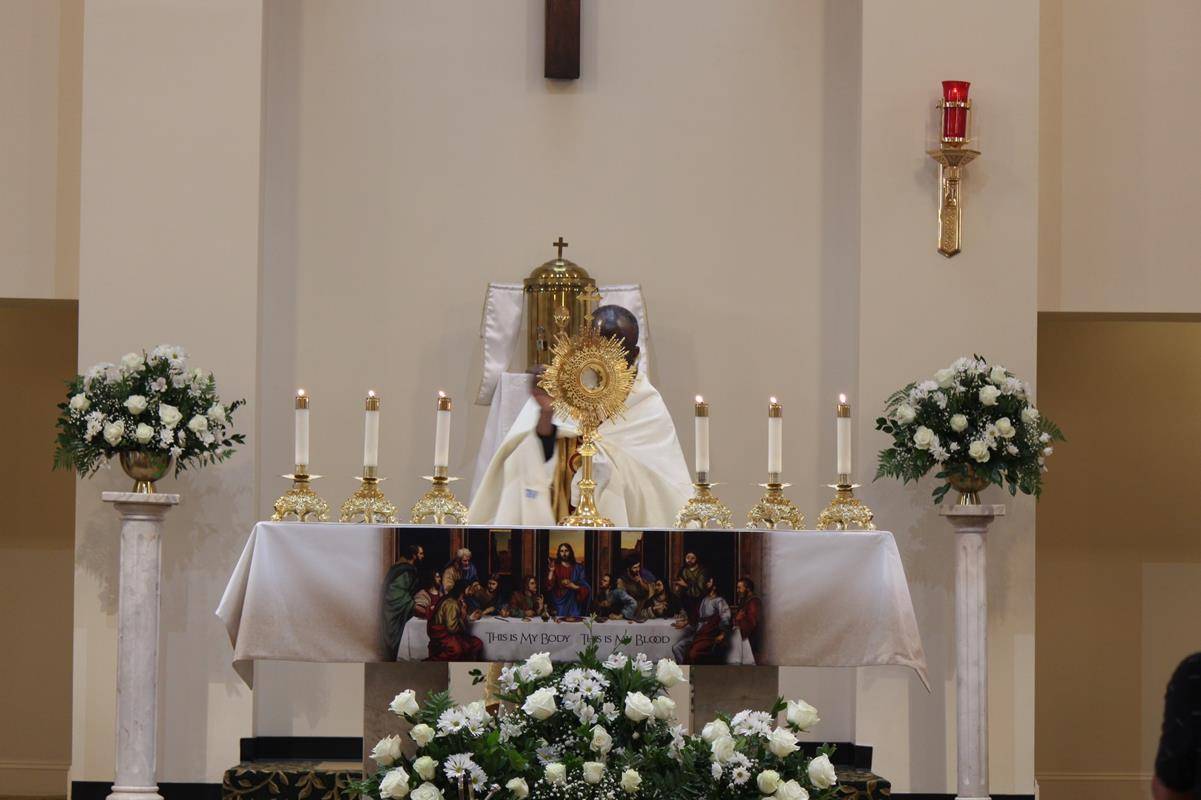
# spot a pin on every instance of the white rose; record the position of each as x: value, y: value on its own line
x: 669, y: 673
x: 216, y: 413
x: 905, y: 414
x: 427, y: 791
x: 519, y: 788
x: 169, y: 415
x: 538, y: 665
x: 821, y: 772
x: 80, y: 402
x: 1005, y: 428
x: 405, y: 704
x: 395, y: 785
x: 198, y: 424
x: 958, y: 423
x: 386, y: 751
x: 997, y: 375
x: 782, y: 743
x: 143, y: 433
x: 133, y: 362
x: 1029, y: 415
x: 541, y: 704
x: 555, y: 773
x: 714, y: 730
x: 722, y: 749
x: 988, y: 395
x: 978, y: 450
x: 768, y: 781
x: 593, y: 771
x: 665, y: 707
x: 923, y: 438
x: 638, y: 707
x: 802, y: 715
x: 113, y: 431
x: 135, y: 404
x: 944, y: 378
x: 791, y: 790
x: 426, y: 768
x: 631, y: 781
x: 602, y: 742
x: 422, y: 734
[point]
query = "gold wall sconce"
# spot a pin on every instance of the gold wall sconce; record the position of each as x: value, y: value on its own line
x: 954, y: 152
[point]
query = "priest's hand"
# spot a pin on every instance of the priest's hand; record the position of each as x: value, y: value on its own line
x: 546, y: 423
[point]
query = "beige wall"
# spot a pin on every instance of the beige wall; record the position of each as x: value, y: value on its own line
x: 169, y: 250
x: 36, y: 551
x: 918, y: 311
x: 1118, y: 579
x: 1122, y: 204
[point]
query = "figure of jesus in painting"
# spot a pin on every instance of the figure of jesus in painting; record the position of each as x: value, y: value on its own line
x: 567, y: 588
x: 447, y: 629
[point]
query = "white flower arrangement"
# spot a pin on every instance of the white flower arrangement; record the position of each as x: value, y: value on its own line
x: 150, y: 402
x: 972, y: 421
x: 537, y: 744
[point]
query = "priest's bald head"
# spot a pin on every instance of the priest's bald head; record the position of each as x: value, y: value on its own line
x: 615, y: 321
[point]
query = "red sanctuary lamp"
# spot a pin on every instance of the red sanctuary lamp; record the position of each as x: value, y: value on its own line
x: 953, y: 152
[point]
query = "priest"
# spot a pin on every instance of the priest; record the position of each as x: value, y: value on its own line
x: 642, y: 479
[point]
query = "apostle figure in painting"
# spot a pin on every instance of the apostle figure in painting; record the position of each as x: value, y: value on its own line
x: 657, y: 604
x: 748, y: 609
x: 485, y: 600
x: 614, y: 602
x: 400, y: 587
x: 689, y: 585
x: 527, y: 602
x: 426, y: 599
x: 567, y: 588
x: 642, y: 480
x: 447, y: 629
x: 704, y: 641
x: 636, y: 583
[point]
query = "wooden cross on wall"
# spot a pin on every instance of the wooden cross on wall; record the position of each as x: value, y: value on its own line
x: 563, y: 39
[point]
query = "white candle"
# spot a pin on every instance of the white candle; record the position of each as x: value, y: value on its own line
x: 843, y: 414
x: 301, y: 438
x: 702, y: 435
x: 371, y: 431
x: 775, y: 437
x: 442, y: 432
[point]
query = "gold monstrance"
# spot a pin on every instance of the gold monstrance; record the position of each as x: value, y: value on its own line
x: 588, y: 380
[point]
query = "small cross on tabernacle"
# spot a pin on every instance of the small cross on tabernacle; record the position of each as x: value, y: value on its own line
x: 559, y: 244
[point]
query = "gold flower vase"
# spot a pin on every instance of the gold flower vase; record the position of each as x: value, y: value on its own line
x: 145, y: 467
x: 969, y: 487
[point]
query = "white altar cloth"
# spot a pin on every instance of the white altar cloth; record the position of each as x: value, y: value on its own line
x: 313, y: 592
x: 511, y: 639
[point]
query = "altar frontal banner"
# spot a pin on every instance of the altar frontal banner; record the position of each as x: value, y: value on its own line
x: 693, y: 596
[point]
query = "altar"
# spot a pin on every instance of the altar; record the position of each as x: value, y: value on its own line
x: 315, y: 592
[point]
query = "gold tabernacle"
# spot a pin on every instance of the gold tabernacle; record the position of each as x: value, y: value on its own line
x: 560, y: 296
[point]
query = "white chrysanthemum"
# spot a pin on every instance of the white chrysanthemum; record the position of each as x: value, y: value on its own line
x: 739, y: 775
x: 452, y: 720
x: 752, y: 723
x: 459, y: 765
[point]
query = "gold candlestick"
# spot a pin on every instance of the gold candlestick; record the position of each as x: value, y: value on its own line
x: 774, y: 511
x: 704, y: 509
x: 368, y: 503
x: 301, y: 502
x: 586, y: 514
x: 845, y: 512
x: 439, y: 503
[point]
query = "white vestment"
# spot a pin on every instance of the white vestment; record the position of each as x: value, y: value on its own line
x: 642, y: 479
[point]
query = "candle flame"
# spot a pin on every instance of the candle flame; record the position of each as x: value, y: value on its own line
x: 842, y: 398
x: 300, y: 392
x: 441, y: 393
x: 700, y: 399
x: 371, y: 393
x: 773, y: 400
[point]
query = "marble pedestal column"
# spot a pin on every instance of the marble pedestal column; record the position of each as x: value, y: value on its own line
x: 971, y: 646
x: 137, y: 641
